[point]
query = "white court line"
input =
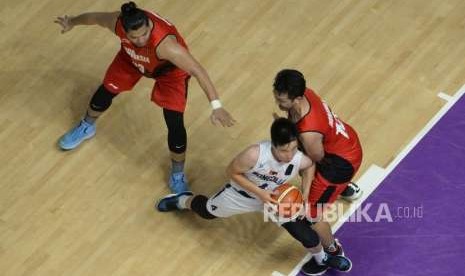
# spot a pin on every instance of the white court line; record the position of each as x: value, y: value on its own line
x: 445, y: 96
x: 426, y: 129
x: 379, y: 172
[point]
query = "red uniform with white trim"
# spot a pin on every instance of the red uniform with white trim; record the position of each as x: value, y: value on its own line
x: 132, y: 62
x: 343, y: 152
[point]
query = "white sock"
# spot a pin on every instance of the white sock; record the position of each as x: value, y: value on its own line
x: 182, y: 201
x: 320, y: 256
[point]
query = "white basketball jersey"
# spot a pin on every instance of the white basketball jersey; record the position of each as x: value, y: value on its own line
x: 268, y: 173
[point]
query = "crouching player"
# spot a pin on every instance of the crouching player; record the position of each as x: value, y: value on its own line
x: 254, y: 174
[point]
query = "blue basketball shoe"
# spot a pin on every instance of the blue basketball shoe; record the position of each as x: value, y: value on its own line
x: 170, y: 202
x: 77, y: 135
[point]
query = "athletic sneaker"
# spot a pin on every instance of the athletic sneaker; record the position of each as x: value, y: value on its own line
x: 178, y: 183
x: 338, y: 252
x: 312, y: 268
x: 170, y: 202
x: 77, y: 135
x: 352, y: 192
x: 339, y: 263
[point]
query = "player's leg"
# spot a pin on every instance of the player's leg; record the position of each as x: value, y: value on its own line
x: 329, y: 242
x: 100, y: 101
x: 227, y: 202
x: 170, y: 93
x: 121, y: 76
x: 320, y: 261
x: 352, y: 191
x: 322, y: 194
x: 340, y: 171
x: 186, y: 201
x: 177, y: 144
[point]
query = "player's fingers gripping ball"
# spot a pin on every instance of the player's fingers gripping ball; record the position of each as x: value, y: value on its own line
x: 290, y: 201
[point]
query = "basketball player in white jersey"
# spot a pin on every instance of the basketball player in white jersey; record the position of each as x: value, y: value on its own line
x: 255, y: 173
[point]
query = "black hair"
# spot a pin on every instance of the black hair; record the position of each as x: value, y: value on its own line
x: 290, y: 82
x: 283, y: 131
x: 132, y: 17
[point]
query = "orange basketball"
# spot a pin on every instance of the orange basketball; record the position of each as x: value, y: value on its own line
x: 290, y: 200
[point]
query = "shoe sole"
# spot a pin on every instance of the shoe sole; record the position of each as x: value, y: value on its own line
x: 64, y: 147
x: 315, y: 274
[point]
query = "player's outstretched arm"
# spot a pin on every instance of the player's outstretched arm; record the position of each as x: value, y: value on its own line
x: 170, y: 50
x: 103, y: 19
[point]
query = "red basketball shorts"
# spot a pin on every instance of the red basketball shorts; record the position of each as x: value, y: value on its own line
x: 169, y: 91
x: 324, y: 192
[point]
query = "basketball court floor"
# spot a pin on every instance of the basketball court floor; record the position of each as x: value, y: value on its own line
x: 380, y: 64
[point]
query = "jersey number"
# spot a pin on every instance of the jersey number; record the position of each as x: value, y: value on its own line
x: 334, y: 121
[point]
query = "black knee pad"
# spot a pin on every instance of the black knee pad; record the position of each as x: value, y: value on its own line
x: 177, y: 135
x: 302, y: 231
x: 102, y: 99
x: 199, y: 206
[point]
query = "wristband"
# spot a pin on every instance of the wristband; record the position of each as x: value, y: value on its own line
x: 215, y: 104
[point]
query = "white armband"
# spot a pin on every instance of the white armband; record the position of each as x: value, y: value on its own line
x: 215, y: 104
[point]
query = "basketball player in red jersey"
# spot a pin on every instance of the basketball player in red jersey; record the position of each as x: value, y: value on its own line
x: 330, y: 142
x: 151, y: 47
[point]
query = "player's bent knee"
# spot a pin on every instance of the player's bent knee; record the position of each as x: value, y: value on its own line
x: 102, y: 99
x: 302, y: 232
x: 199, y: 206
x: 177, y: 144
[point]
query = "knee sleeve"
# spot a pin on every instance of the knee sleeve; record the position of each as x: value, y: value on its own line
x: 177, y: 135
x: 102, y: 99
x: 301, y: 230
x: 199, y: 206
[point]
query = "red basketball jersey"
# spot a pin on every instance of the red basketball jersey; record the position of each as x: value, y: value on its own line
x: 338, y: 137
x: 145, y: 58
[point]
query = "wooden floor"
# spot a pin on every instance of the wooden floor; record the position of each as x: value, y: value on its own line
x: 379, y: 63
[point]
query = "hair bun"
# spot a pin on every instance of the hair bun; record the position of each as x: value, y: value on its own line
x: 128, y: 8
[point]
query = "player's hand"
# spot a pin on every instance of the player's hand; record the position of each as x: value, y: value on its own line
x: 222, y: 117
x: 65, y: 23
x: 266, y: 197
